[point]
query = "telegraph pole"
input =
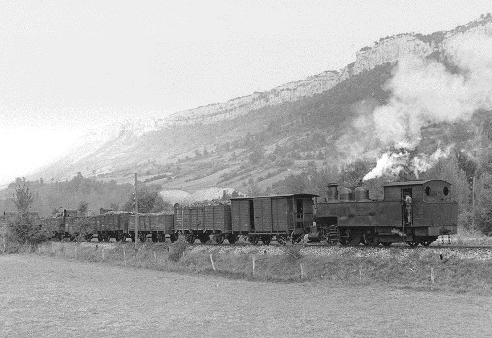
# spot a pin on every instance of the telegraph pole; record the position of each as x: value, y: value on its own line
x: 136, y: 213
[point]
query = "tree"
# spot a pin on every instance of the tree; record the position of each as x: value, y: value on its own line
x: 149, y: 200
x: 23, y: 228
x: 83, y: 208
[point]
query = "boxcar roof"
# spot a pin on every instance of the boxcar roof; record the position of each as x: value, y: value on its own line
x: 277, y: 196
x: 406, y: 183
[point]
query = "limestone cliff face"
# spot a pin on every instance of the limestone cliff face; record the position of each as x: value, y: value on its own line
x: 391, y: 50
x: 387, y: 50
x: 288, y: 92
x: 471, y: 33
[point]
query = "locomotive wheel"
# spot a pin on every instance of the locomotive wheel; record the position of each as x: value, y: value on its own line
x: 232, y: 239
x: 371, y: 239
x: 253, y: 240
x: 190, y: 238
x: 354, y: 239
x: 204, y: 238
x: 266, y: 240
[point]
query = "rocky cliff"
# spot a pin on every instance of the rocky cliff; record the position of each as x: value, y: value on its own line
x: 386, y: 50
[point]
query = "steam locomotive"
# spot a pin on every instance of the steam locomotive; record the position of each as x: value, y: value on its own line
x: 413, y: 212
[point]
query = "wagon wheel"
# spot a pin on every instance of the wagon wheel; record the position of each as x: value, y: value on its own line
x: 117, y: 237
x: 281, y: 239
x: 343, y: 240
x: 232, y: 239
x: 253, y: 240
x: 295, y: 239
x: 204, y: 238
x: 266, y: 239
x: 413, y: 243
x: 155, y: 238
x: 386, y: 243
x: 219, y: 239
x: 426, y: 242
x: 88, y: 237
x: 190, y: 238
x: 173, y: 238
x: 123, y: 237
x: 100, y: 238
x: 162, y: 238
x: 107, y: 238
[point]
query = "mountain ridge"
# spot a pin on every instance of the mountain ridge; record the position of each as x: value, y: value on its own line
x: 158, y: 146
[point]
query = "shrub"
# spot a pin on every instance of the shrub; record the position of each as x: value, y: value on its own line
x: 292, y: 252
x: 177, y: 249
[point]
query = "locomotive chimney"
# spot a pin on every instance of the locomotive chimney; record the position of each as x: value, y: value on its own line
x: 332, y: 192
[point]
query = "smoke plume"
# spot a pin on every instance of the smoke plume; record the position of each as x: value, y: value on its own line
x: 425, y: 92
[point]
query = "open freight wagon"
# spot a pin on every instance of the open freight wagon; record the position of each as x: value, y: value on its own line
x: 154, y: 226
x: 201, y: 222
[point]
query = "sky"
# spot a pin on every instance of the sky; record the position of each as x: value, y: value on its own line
x: 68, y: 66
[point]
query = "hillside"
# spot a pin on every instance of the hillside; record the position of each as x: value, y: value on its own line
x: 408, y: 100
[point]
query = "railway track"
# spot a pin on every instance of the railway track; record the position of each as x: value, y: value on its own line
x: 402, y: 246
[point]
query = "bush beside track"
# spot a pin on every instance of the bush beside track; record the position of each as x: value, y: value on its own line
x: 437, y: 269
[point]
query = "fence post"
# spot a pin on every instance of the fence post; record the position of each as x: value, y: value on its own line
x: 432, y: 277
x: 213, y: 265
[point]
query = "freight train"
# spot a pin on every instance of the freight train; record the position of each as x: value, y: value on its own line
x: 412, y: 212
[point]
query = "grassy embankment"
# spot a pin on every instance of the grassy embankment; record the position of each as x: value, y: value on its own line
x: 439, y: 269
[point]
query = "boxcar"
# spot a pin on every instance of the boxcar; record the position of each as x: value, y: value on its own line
x: 279, y: 217
x: 155, y: 226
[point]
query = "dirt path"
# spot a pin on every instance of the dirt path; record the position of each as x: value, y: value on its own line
x: 45, y: 297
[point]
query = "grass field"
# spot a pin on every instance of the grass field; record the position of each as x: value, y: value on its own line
x: 50, y: 297
x: 436, y: 269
